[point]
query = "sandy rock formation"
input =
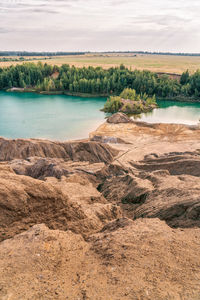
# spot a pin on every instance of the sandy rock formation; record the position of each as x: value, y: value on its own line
x: 119, y: 118
x: 40, y: 168
x: 151, y: 188
x: 76, y: 151
x: 176, y: 163
x: 120, y: 184
x: 107, y: 139
x: 175, y: 199
x: 67, y: 204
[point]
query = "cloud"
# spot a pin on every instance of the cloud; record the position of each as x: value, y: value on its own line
x: 169, y: 25
x: 4, y: 30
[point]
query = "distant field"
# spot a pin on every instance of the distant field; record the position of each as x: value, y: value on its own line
x: 156, y: 63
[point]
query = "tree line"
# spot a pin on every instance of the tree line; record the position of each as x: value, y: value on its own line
x: 21, y: 58
x: 60, y: 53
x: 165, y: 53
x: 25, y: 53
x: 97, y: 81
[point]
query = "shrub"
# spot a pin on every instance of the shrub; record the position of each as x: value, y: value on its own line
x: 129, y: 94
x: 113, y: 105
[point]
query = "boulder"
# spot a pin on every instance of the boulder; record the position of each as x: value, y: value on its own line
x: 119, y: 118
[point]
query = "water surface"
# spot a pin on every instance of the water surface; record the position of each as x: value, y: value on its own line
x: 60, y: 117
x: 173, y: 112
x: 57, y: 117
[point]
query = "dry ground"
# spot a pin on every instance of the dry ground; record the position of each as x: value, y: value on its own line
x: 64, y: 227
x: 156, y: 63
x: 143, y: 139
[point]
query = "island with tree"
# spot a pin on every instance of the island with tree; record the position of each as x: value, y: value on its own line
x: 130, y: 102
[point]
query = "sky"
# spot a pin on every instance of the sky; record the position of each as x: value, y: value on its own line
x: 100, y: 25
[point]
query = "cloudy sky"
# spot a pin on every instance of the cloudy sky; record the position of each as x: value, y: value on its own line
x: 98, y: 25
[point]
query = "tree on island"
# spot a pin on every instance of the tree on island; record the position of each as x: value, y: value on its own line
x: 130, y: 102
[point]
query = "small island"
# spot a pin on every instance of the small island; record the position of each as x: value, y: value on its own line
x: 129, y: 102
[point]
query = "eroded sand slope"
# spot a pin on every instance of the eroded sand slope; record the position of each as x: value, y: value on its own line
x: 114, y: 218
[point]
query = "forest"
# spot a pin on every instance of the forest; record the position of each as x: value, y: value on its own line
x: 98, y: 81
x: 60, y: 53
x: 25, y: 53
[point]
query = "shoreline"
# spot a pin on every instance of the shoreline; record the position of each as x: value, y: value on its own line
x: 139, y: 124
x: 86, y: 95
x: 82, y: 95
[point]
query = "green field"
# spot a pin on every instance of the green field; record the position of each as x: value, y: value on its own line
x: 156, y: 63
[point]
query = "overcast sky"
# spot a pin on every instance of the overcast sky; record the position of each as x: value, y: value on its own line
x: 98, y: 25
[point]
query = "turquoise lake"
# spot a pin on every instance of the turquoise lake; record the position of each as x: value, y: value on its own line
x: 60, y: 117
x: 56, y: 117
x: 173, y: 112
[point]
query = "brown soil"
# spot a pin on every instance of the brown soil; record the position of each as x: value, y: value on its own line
x: 144, y: 259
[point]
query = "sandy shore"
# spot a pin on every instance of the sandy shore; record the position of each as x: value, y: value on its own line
x: 141, y: 138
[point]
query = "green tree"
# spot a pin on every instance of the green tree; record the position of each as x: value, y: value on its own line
x: 185, y: 77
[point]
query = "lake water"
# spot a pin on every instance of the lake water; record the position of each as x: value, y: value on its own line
x: 173, y: 112
x: 56, y: 117
x: 60, y: 117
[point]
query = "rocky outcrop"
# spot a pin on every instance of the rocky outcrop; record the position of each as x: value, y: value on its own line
x: 143, y: 259
x: 76, y: 151
x: 119, y: 118
x: 174, y: 199
x: 151, y: 188
x: 121, y: 185
x: 165, y: 187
